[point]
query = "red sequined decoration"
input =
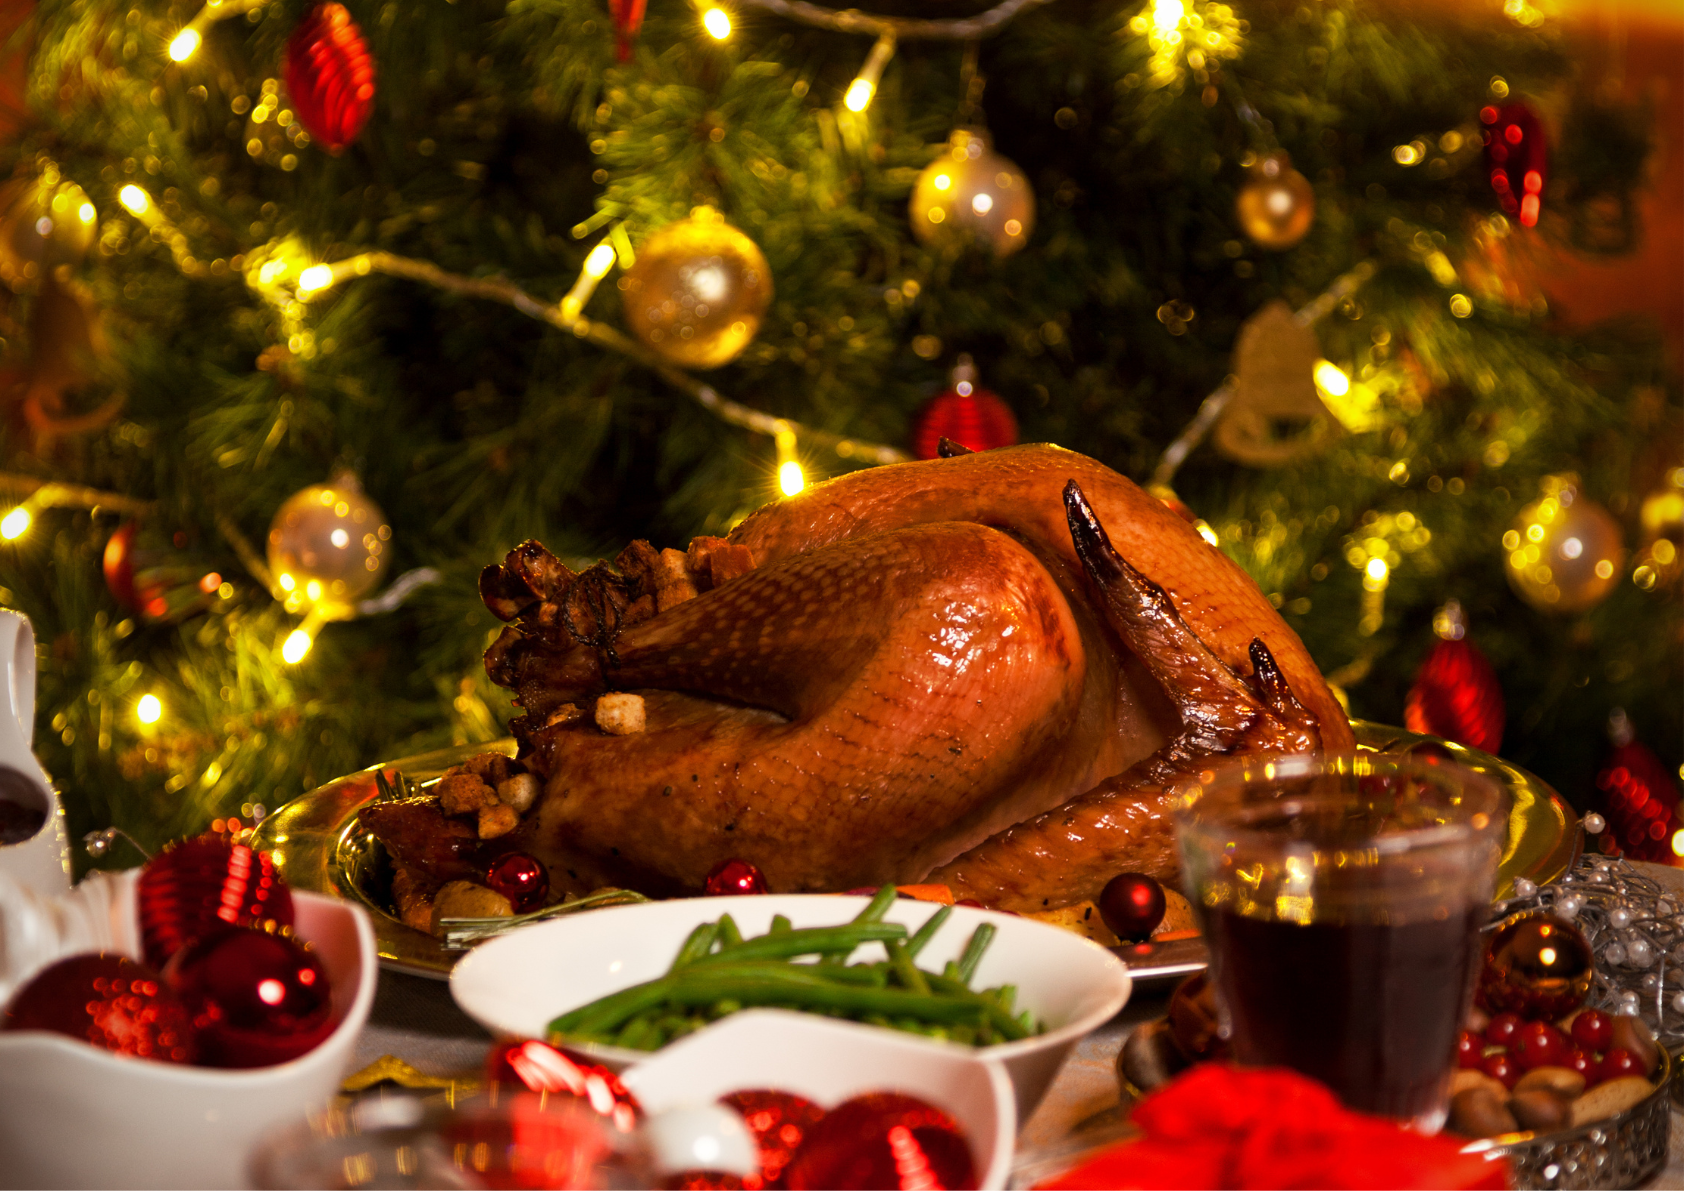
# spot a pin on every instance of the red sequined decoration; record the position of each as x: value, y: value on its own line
x: 1516, y: 159
x: 257, y: 999
x: 330, y: 75
x: 202, y: 885
x: 976, y: 419
x: 1456, y: 695
x: 731, y: 877
x: 628, y: 18
x: 882, y: 1139
x: 540, y: 1067
x: 1641, y: 803
x: 111, y: 1002
x: 779, y: 1122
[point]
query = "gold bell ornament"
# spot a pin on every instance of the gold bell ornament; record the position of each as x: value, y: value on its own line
x: 1277, y: 205
x: 698, y: 291
x: 970, y: 189
x: 327, y: 547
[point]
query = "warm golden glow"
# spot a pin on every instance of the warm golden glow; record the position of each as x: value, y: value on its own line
x: 149, y: 710
x: 135, y: 200
x: 15, y: 523
x: 316, y: 277
x: 86, y: 213
x: 717, y: 23
x: 296, y: 647
x: 600, y: 260
x: 790, y: 478
x: 859, y: 95
x: 1331, y: 379
x: 184, y: 45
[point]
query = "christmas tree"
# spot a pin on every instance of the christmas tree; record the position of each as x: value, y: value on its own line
x: 316, y: 311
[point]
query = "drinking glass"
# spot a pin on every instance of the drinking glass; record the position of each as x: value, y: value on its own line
x: 1342, y: 897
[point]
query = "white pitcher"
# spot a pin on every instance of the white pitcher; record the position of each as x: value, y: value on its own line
x: 41, y: 862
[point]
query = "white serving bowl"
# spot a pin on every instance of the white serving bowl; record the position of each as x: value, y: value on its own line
x: 72, y: 1115
x: 829, y: 1061
x: 516, y: 984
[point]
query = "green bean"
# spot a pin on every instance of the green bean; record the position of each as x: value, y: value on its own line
x: 698, y: 944
x: 729, y: 935
x: 908, y: 975
x: 972, y: 956
x: 779, y: 924
x: 819, y: 940
x: 879, y: 905
x: 928, y: 931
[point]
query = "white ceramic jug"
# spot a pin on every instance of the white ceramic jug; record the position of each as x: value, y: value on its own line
x: 41, y: 862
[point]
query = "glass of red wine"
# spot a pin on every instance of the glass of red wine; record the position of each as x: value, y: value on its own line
x: 1342, y: 897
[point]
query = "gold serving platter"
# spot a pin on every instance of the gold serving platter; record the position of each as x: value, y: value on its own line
x: 318, y: 844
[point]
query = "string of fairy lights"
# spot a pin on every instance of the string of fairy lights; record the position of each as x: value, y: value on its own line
x: 1183, y: 36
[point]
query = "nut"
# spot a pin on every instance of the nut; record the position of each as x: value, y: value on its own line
x: 1542, y: 1109
x: 1564, y: 1081
x: 1479, y: 1112
x: 463, y: 794
x: 620, y: 714
x: 1467, y: 1077
x: 496, y: 820
x: 1632, y: 1033
x: 492, y: 768
x: 520, y: 792
x: 464, y: 899
x: 1606, y: 1099
x: 1150, y: 1056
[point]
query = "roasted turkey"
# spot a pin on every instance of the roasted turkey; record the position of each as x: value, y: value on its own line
x: 980, y: 670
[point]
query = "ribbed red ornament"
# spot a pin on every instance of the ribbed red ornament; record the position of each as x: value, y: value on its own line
x: 202, y: 886
x: 1641, y: 802
x: 628, y: 18
x: 1516, y: 159
x: 330, y: 75
x: 1457, y: 696
x: 977, y: 419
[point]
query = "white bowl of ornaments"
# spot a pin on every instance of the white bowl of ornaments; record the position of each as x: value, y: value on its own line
x: 161, y: 1021
x: 518, y: 983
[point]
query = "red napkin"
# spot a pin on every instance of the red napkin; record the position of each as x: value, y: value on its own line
x: 1219, y: 1127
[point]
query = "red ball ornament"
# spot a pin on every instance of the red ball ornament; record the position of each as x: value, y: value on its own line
x: 1456, y: 694
x: 540, y: 1067
x: 156, y: 575
x: 521, y: 879
x: 1132, y: 905
x: 1537, y: 966
x: 1516, y: 159
x: 628, y: 18
x: 330, y: 75
x: 882, y: 1139
x: 1641, y: 798
x: 972, y: 417
x: 109, y: 1001
x: 204, y: 885
x: 779, y: 1122
x: 731, y: 877
x: 256, y: 998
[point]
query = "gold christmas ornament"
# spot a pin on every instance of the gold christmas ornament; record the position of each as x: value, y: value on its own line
x: 970, y: 189
x: 44, y: 225
x: 698, y: 291
x: 1660, y: 561
x: 1564, y: 551
x: 1275, y: 416
x: 1276, y: 205
x: 327, y: 547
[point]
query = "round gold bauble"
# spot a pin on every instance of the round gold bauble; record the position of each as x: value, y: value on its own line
x: 43, y: 226
x: 972, y: 190
x: 698, y: 291
x: 327, y: 547
x: 1660, y: 560
x: 1563, y: 551
x: 1276, y: 205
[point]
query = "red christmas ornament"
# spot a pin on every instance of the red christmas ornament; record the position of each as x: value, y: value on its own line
x: 779, y: 1121
x: 731, y: 877
x: 882, y: 1139
x: 330, y: 75
x: 704, y: 1180
x: 1641, y: 798
x: 540, y: 1067
x: 1132, y: 905
x: 111, y: 1002
x: 155, y: 575
x: 628, y: 18
x: 1456, y: 694
x: 1516, y: 158
x: 204, y: 885
x: 256, y: 998
x: 970, y: 416
x: 521, y: 879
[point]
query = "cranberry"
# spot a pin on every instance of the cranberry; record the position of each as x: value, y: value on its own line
x: 1618, y: 1062
x: 1470, y: 1049
x: 1539, y: 1044
x: 1593, y: 1030
x: 1583, y: 1062
x: 1503, y: 1028
x: 1501, y: 1068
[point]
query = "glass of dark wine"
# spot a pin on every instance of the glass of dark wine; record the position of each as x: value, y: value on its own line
x: 1342, y: 897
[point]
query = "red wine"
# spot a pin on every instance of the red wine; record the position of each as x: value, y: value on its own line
x: 1369, y: 1010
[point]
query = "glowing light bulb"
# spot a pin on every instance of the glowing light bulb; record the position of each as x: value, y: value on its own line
x: 286, y: 581
x: 601, y: 258
x: 296, y: 647
x: 149, y: 710
x: 184, y: 45
x: 1331, y: 379
x: 14, y: 524
x: 859, y: 95
x: 1377, y: 570
x: 943, y: 182
x: 791, y: 479
x: 316, y: 277
x: 717, y: 22
x: 135, y: 200
x: 982, y: 204
x: 1206, y: 532
x: 86, y: 213
x: 1167, y: 15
